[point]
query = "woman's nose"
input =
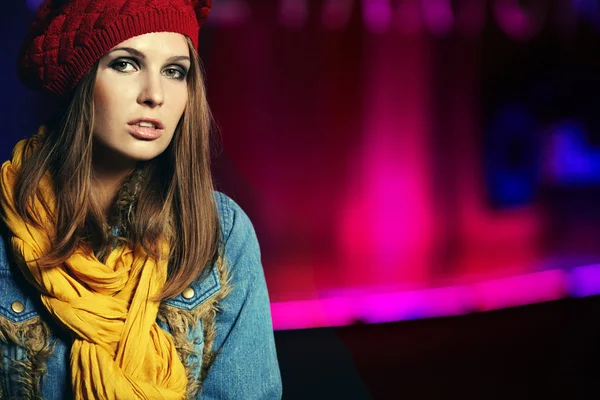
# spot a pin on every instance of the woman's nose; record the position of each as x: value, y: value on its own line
x: 151, y: 93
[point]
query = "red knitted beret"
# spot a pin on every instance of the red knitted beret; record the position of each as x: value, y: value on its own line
x: 67, y: 37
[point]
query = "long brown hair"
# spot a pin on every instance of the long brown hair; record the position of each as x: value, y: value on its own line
x: 171, y: 195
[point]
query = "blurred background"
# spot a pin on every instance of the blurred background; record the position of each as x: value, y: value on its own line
x: 423, y: 177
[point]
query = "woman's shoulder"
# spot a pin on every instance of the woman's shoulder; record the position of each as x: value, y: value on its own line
x: 237, y: 231
x: 239, y: 247
x: 233, y: 219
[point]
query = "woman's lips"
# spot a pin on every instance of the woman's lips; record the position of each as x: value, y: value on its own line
x: 145, y: 133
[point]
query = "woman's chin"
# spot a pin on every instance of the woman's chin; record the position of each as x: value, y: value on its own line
x: 144, y: 154
x: 145, y: 157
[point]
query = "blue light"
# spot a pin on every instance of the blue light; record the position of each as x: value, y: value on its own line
x: 570, y: 158
x: 34, y: 4
x: 512, y: 157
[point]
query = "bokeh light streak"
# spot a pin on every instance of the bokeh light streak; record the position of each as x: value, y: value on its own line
x: 437, y: 302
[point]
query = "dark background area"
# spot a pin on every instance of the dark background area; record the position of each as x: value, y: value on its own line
x: 541, y: 351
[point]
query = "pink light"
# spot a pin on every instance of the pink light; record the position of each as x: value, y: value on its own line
x: 437, y: 302
x: 520, y: 290
x: 312, y: 313
x: 377, y: 15
x: 438, y: 16
x: 387, y: 222
x: 392, y: 227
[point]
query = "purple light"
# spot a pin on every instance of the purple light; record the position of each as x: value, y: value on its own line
x: 414, y: 304
x: 585, y: 281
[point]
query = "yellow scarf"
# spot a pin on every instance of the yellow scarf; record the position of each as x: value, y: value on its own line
x: 118, y: 352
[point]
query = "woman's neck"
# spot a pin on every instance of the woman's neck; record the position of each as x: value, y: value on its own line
x: 110, y: 171
x: 108, y: 181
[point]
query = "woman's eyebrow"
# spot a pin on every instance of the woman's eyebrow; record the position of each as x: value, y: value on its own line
x: 179, y: 58
x: 141, y: 55
x: 130, y: 50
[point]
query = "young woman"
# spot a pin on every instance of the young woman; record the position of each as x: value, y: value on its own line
x: 123, y: 275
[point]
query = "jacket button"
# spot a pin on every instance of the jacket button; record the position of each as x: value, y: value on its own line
x: 17, y: 307
x: 188, y: 293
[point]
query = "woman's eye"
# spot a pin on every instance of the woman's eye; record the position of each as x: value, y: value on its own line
x: 175, y: 73
x: 123, y: 66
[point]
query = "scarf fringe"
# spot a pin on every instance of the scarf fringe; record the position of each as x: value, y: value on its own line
x: 33, y: 336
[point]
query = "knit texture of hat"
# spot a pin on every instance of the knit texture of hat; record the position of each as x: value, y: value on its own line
x: 67, y: 37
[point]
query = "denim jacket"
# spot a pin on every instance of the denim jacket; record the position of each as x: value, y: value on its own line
x: 221, y: 326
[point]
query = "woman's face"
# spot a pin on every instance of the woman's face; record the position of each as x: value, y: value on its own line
x: 139, y: 96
